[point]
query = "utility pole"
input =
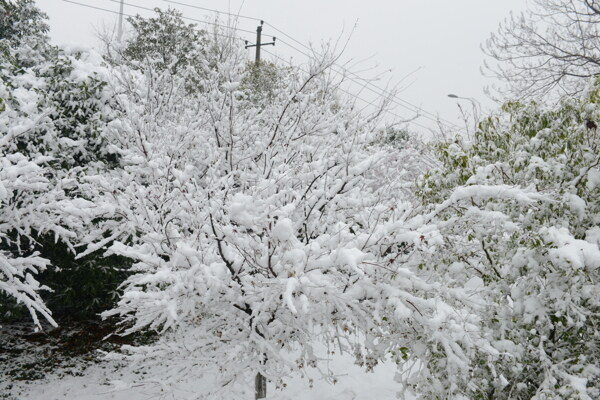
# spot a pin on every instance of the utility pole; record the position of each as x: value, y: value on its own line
x: 120, y: 28
x: 259, y: 44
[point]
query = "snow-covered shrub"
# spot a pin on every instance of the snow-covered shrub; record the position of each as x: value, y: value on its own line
x: 53, y: 110
x: 518, y: 210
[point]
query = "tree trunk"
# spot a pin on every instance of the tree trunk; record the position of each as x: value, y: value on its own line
x: 260, y: 386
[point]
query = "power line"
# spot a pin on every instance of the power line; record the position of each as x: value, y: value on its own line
x: 188, y: 18
x: 133, y: 16
x: 369, y: 103
x: 212, y: 10
x: 401, y: 102
x: 370, y: 86
x: 96, y: 8
x: 366, y: 84
x: 411, y: 107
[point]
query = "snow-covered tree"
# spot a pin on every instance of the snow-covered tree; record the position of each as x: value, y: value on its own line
x: 25, y: 191
x: 518, y: 211
x: 24, y: 199
x: 22, y: 25
x: 267, y: 234
x: 551, y: 48
x: 166, y: 40
x: 53, y: 108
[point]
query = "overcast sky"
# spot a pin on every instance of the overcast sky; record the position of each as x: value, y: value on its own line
x: 436, y: 42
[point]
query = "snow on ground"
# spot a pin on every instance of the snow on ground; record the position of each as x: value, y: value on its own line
x: 107, y: 381
x: 33, y: 368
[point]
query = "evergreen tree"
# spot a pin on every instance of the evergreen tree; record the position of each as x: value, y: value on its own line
x: 54, y: 109
x: 166, y: 41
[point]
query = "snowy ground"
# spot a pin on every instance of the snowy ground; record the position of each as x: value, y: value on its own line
x: 82, y: 377
x: 99, y: 382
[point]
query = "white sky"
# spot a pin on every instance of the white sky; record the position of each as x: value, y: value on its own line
x: 439, y: 39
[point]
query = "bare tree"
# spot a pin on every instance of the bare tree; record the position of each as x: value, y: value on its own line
x: 551, y: 49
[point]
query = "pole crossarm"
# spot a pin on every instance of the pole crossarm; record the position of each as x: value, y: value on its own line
x: 258, y: 43
x: 262, y: 44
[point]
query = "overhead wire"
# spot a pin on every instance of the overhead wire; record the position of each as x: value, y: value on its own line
x: 365, y: 83
x: 368, y: 103
x: 401, y: 102
x: 380, y: 91
x: 96, y: 8
x: 420, y: 111
x: 212, y: 10
x: 133, y: 16
x: 395, y: 99
x: 183, y: 17
x: 372, y: 87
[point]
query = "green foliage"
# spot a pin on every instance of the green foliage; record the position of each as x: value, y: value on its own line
x: 66, y: 110
x: 456, y: 169
x: 165, y: 41
x: 537, y: 260
x: 261, y: 82
x: 80, y: 288
x: 528, y: 145
x: 78, y: 113
x: 72, y: 105
x: 395, y: 137
x: 21, y: 21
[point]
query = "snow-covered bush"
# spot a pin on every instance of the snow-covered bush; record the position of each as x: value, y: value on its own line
x: 518, y: 211
x: 26, y: 195
x: 266, y: 235
x: 53, y: 109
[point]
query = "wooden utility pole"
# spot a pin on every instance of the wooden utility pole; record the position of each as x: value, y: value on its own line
x: 260, y: 381
x: 259, y: 44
